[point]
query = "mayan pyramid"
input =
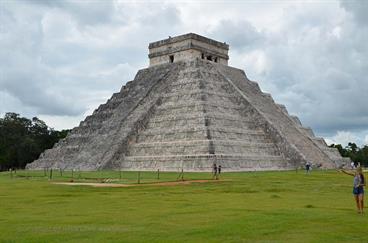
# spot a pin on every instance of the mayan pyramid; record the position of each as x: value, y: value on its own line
x: 188, y: 110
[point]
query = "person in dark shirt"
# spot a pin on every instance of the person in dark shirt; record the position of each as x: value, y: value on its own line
x: 214, y: 170
x: 307, y: 168
x: 219, y: 169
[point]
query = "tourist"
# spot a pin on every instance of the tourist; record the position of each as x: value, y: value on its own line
x: 358, y: 189
x: 214, y: 168
x: 307, y: 168
x: 352, y: 165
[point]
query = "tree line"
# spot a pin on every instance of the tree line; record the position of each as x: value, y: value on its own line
x: 355, y: 153
x: 22, y: 140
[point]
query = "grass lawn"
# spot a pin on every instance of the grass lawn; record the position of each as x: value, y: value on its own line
x: 242, y: 207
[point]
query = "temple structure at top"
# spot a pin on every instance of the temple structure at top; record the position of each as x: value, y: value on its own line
x: 186, y: 47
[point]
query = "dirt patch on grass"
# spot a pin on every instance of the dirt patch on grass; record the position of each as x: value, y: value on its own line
x: 91, y: 184
x: 168, y: 183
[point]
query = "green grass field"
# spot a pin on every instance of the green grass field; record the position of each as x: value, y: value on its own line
x: 241, y: 207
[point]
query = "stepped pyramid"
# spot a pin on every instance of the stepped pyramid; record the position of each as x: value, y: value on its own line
x: 188, y: 110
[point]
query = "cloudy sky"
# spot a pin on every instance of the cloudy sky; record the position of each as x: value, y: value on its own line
x: 60, y: 59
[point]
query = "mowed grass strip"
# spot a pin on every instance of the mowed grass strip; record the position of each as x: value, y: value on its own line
x: 248, y: 207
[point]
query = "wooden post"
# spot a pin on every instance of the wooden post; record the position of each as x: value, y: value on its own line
x: 182, y: 174
x: 139, y: 177
x: 50, y: 174
x: 158, y: 174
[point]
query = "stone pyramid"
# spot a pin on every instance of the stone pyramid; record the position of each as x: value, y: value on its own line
x: 188, y: 110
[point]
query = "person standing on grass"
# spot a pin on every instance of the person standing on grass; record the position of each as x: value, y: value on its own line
x: 352, y: 165
x: 307, y: 168
x: 219, y: 169
x: 214, y: 168
x: 358, y: 189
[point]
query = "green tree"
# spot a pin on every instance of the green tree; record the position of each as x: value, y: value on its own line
x: 353, y: 151
x: 23, y: 140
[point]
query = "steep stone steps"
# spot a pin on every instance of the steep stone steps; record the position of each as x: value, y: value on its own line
x: 151, y: 137
x: 180, y: 104
x: 193, y: 115
x: 76, y: 139
x: 200, y: 134
x: 199, y: 106
x: 202, y: 146
x: 201, y: 127
x: 199, y: 120
x: 168, y: 149
x: 204, y: 141
x: 209, y: 119
x: 204, y: 162
x: 276, y: 119
x: 176, y: 123
x: 248, y: 148
x: 188, y: 84
x: 98, y: 117
x: 192, y: 93
x: 197, y: 113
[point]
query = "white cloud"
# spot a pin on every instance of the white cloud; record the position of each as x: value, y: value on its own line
x: 342, y: 137
x: 345, y: 137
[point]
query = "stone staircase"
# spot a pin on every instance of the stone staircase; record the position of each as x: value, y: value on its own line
x: 197, y: 124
